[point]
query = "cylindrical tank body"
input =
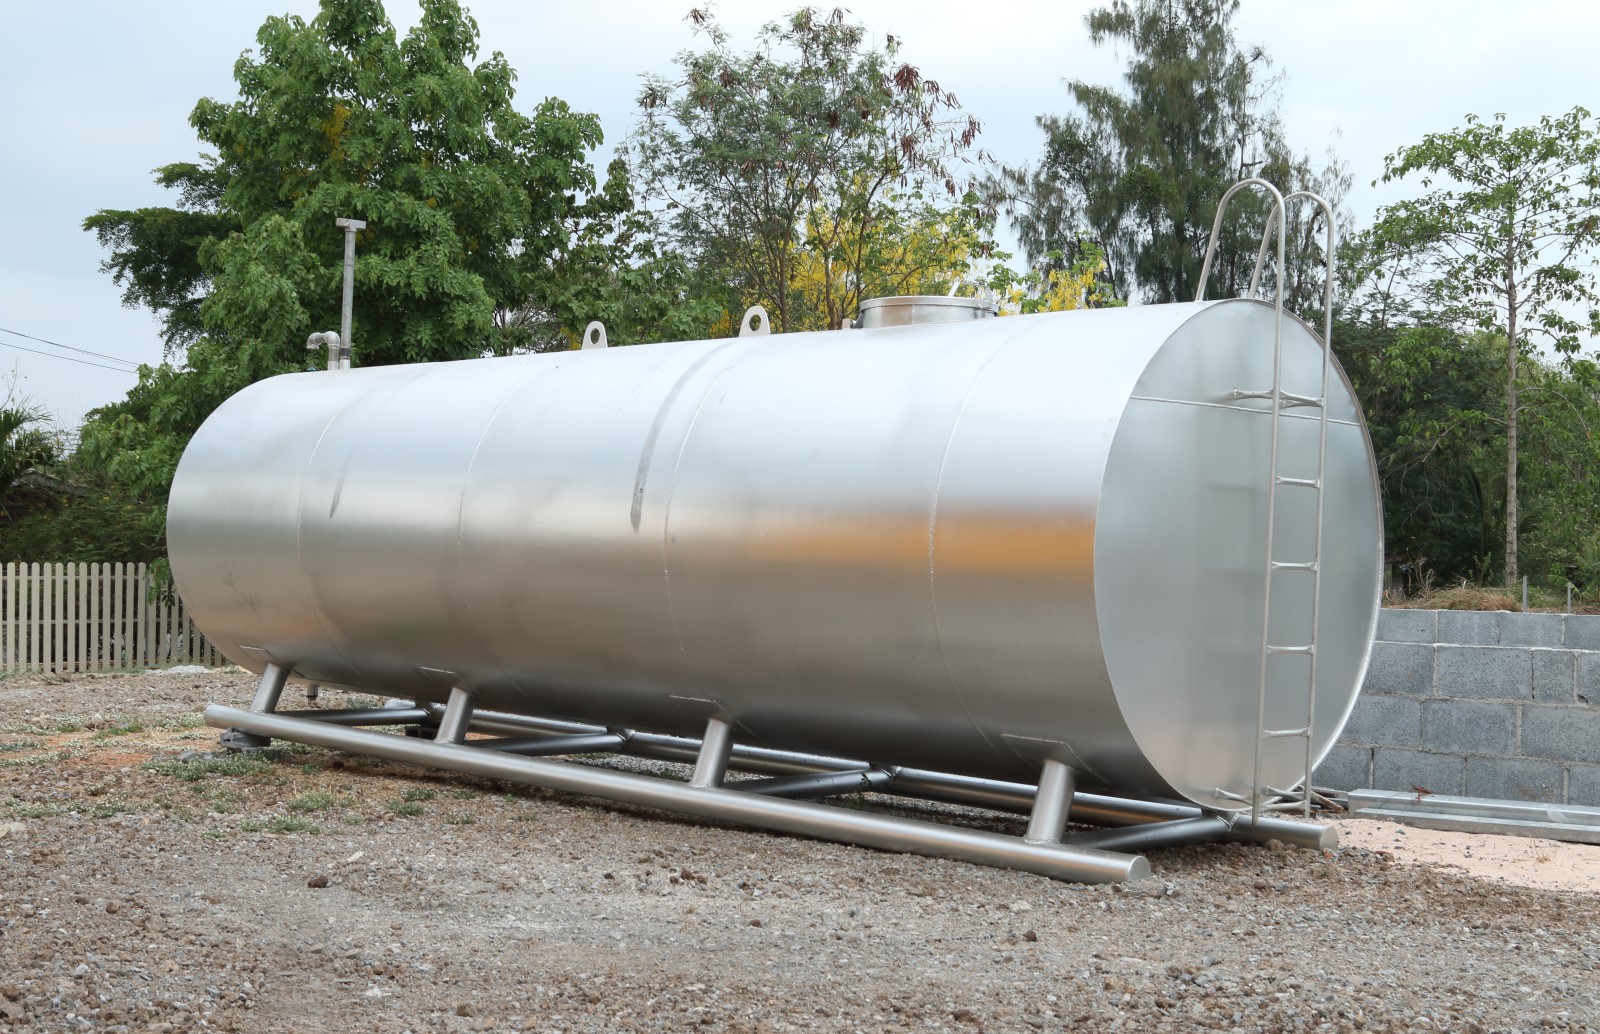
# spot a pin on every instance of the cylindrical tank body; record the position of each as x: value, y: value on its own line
x: 969, y: 547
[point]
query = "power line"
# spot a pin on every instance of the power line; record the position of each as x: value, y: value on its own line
x: 68, y: 358
x: 70, y: 348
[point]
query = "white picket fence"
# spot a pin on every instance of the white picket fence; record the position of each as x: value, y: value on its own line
x: 92, y: 617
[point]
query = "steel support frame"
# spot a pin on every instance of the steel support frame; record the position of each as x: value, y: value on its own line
x: 1095, y: 856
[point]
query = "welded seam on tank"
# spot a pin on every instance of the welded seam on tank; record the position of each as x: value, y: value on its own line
x: 299, y: 528
x: 461, y: 509
x: 636, y: 513
x: 677, y: 463
x: 933, y: 521
x: 1236, y: 409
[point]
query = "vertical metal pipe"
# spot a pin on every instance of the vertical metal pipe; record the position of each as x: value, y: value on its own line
x: 712, y: 763
x: 269, y: 689
x: 350, y: 226
x: 457, y: 716
x: 1051, y: 804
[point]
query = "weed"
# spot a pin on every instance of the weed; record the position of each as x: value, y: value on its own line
x: 176, y: 809
x: 315, y: 800
x: 461, y: 818
x: 407, y: 808
x: 310, y: 769
x: 290, y: 824
x: 127, y: 728
x: 417, y: 793
x: 353, y: 820
x: 214, y: 834
x: 244, y: 763
x: 525, y: 816
x: 68, y: 726
x: 248, y: 826
x: 35, y: 759
x: 15, y: 745
x: 37, y: 811
x: 465, y: 793
x: 106, y: 809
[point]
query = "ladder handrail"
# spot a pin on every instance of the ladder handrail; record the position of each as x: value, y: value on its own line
x: 1216, y: 231
x: 1277, y: 218
x: 1322, y: 443
x: 1272, y: 460
x: 1322, y: 464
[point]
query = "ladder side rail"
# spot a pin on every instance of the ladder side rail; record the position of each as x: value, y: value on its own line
x: 1322, y: 472
x: 1275, y: 217
x: 1272, y: 492
x: 1261, y: 252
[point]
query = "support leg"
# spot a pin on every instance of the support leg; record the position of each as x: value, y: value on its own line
x: 457, y: 716
x: 268, y: 690
x: 1051, y: 804
x: 712, y: 763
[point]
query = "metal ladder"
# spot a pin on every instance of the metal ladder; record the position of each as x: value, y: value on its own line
x: 1268, y: 798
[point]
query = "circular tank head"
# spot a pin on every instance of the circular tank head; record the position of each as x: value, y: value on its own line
x: 1181, y: 553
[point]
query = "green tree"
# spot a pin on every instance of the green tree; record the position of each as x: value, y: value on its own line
x: 1505, y: 234
x: 470, y: 205
x: 1428, y: 394
x: 1137, y: 173
x: 778, y: 169
x: 22, y: 448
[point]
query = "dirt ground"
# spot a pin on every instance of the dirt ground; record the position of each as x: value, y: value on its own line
x: 148, y: 883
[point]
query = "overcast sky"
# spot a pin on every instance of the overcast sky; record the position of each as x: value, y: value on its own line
x: 95, y: 95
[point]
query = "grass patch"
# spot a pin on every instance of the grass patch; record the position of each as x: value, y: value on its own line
x: 410, y: 809
x: 37, y: 759
x: 1495, y: 597
x: 417, y: 793
x: 37, y: 811
x: 292, y: 824
x: 16, y: 745
x: 127, y: 728
x: 243, y: 763
x: 315, y: 800
x: 251, y: 826
x: 465, y: 793
x: 461, y: 818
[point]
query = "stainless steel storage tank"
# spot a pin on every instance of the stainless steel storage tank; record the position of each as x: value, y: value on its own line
x: 970, y: 547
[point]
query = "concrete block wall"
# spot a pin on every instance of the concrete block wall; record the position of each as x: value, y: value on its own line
x: 1485, y: 704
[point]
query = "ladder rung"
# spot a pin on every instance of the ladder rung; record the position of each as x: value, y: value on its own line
x: 1278, y: 565
x: 1302, y: 482
x: 1273, y: 734
x: 1286, y: 398
x: 1292, y: 649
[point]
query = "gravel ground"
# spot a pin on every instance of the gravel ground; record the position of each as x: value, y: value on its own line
x: 306, y: 890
